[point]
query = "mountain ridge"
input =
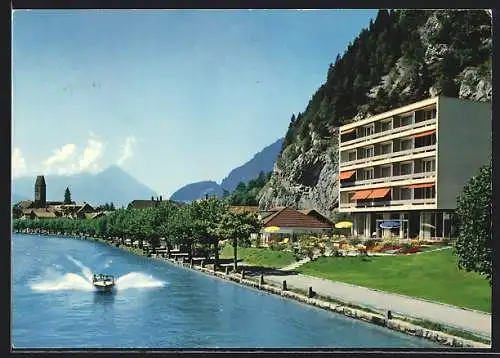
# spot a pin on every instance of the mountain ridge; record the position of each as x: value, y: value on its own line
x: 94, y: 188
x: 262, y: 161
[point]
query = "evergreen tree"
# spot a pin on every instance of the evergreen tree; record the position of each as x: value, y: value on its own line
x: 67, y: 196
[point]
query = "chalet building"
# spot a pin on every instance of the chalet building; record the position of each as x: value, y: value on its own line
x: 154, y: 202
x: 401, y: 171
x: 144, y: 204
x: 291, y: 222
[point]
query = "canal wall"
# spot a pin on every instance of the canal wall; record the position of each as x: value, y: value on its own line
x: 356, y: 313
x: 393, y: 323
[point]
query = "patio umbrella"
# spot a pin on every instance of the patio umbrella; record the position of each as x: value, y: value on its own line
x: 343, y: 225
x: 272, y: 229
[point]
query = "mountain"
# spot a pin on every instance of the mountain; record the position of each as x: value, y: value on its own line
x: 110, y: 185
x: 262, y: 161
x: 196, y: 191
x: 15, y: 198
x: 402, y: 57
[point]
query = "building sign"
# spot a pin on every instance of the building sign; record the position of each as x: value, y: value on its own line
x: 390, y: 224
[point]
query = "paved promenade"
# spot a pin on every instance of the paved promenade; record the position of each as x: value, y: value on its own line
x: 378, y: 300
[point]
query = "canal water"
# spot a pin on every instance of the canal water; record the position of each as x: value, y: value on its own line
x: 158, y: 305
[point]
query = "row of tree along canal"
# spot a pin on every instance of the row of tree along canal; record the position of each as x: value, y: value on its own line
x: 197, y: 227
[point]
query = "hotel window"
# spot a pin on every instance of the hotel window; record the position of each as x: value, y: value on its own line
x: 406, y: 144
x: 429, y: 193
x: 385, y: 171
x: 351, y: 156
x: 386, y: 148
x: 368, y: 152
x: 406, y: 120
x: 428, y: 165
x: 405, y: 194
x: 424, y: 193
x: 430, y: 114
x: 406, y: 168
x: 368, y: 174
x: 368, y: 130
x: 386, y: 125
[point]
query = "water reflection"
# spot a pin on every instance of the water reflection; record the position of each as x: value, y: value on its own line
x: 104, y: 298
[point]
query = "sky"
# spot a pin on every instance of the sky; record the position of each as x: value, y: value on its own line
x: 170, y: 96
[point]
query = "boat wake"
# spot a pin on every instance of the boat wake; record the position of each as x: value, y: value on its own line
x: 137, y: 280
x: 55, y: 281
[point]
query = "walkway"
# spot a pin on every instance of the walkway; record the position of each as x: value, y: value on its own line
x: 295, y: 265
x: 445, y: 314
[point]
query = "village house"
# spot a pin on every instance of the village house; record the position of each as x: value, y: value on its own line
x: 288, y: 222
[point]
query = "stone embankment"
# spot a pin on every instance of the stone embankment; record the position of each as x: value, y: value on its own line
x: 387, y: 320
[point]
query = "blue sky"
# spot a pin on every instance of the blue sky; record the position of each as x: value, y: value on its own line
x: 172, y: 96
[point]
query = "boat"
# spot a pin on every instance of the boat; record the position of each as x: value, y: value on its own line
x: 103, y: 282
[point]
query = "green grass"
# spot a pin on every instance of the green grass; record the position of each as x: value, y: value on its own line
x: 259, y: 256
x: 432, y: 275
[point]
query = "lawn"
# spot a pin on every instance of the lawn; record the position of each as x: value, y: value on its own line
x: 430, y: 275
x: 259, y: 256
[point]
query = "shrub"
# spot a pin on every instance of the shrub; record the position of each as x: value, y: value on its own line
x: 354, y: 241
x: 371, y: 243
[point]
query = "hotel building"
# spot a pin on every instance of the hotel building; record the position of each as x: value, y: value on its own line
x: 400, y: 172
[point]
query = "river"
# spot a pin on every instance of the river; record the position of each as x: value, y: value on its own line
x: 159, y: 305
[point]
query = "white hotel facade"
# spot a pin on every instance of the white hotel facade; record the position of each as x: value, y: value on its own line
x: 400, y: 172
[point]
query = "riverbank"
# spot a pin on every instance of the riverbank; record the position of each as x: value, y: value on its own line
x: 427, y: 330
x: 407, y: 325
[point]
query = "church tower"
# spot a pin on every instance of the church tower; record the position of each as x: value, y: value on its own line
x: 40, y: 192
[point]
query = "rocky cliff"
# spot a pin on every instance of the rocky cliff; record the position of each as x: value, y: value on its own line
x: 402, y: 57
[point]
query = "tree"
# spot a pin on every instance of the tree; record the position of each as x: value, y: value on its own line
x: 67, y: 196
x: 473, y: 244
x: 207, y: 215
x: 237, y: 226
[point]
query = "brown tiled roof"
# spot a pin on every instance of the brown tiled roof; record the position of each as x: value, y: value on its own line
x: 93, y: 215
x: 244, y: 208
x: 42, y: 213
x: 317, y: 215
x: 24, y: 204
x: 86, y: 205
x: 142, y: 204
x: 288, y: 217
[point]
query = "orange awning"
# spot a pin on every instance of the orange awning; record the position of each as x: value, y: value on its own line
x: 423, y: 134
x: 379, y: 193
x: 346, y: 175
x: 348, y: 131
x: 423, y: 185
x: 362, y: 194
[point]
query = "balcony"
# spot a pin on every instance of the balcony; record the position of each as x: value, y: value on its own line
x: 390, y: 179
x: 400, y: 153
x: 389, y: 132
x: 393, y: 203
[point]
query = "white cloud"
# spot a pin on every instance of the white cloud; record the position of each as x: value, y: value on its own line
x: 127, y: 149
x: 18, y: 163
x: 61, y: 164
x: 90, y: 154
x: 60, y: 155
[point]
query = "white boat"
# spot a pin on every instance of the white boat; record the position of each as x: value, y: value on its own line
x: 103, y: 282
